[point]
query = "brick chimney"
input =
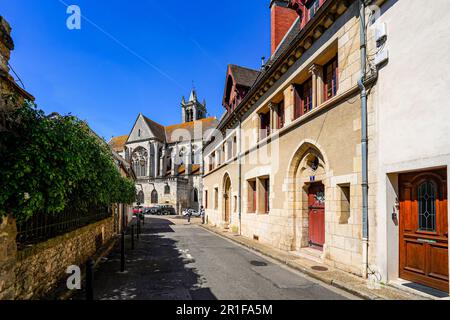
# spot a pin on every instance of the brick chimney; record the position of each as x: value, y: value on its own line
x: 6, y: 45
x: 282, y: 19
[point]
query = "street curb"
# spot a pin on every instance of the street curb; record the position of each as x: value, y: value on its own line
x: 335, y: 283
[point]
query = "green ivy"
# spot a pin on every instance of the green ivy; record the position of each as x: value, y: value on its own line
x: 50, y: 163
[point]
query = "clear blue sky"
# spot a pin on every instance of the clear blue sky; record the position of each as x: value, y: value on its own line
x: 87, y: 73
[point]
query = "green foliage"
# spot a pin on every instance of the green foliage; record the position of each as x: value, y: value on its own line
x: 50, y: 163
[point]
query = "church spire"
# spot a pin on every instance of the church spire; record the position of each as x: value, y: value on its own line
x: 193, y: 110
x: 193, y: 97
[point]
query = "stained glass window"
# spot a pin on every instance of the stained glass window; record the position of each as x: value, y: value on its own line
x: 427, y: 206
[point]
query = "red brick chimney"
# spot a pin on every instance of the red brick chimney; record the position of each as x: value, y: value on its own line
x: 282, y: 19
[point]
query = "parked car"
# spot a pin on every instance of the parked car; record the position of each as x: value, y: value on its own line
x: 192, y: 212
x: 167, y: 210
x: 153, y: 210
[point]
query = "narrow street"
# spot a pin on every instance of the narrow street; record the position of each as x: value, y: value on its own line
x: 176, y: 260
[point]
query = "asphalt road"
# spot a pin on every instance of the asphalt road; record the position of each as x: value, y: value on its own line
x: 176, y: 260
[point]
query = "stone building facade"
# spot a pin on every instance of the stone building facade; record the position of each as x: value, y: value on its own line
x: 289, y: 167
x: 287, y: 171
x: 168, y: 160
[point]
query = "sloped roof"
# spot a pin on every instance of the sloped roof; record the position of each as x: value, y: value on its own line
x: 118, y: 143
x: 156, y: 128
x: 244, y: 76
x: 195, y: 169
x: 189, y: 127
x: 168, y: 134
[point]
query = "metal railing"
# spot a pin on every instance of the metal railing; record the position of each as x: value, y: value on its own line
x: 43, y: 226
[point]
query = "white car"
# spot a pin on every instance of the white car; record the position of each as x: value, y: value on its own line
x: 192, y: 212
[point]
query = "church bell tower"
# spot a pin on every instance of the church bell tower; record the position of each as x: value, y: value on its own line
x: 193, y: 110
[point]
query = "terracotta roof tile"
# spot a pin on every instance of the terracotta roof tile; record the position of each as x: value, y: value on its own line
x: 187, y: 131
x: 195, y: 169
x: 118, y: 143
x: 181, y: 169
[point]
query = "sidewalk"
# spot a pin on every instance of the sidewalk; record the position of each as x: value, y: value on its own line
x: 340, y: 279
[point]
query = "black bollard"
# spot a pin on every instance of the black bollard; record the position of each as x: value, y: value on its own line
x: 138, y: 231
x: 122, y: 252
x: 89, y: 279
x: 132, y: 237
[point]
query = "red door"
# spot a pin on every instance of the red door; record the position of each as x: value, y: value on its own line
x: 316, y: 206
x: 424, y: 228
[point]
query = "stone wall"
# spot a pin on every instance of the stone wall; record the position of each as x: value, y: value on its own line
x: 8, y: 250
x: 40, y: 268
x: 6, y: 44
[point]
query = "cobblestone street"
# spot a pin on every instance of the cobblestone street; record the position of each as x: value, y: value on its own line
x: 176, y: 260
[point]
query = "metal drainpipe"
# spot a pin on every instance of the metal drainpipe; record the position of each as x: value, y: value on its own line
x: 240, y: 177
x: 364, y: 140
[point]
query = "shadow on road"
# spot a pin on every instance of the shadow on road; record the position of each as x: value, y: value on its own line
x: 155, y: 270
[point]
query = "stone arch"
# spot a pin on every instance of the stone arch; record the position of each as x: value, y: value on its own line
x: 227, y: 194
x: 139, y: 160
x: 308, y: 165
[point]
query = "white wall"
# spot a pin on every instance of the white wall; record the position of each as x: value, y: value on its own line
x: 412, y: 100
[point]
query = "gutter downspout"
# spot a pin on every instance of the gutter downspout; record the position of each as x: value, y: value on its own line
x: 364, y: 140
x: 240, y: 176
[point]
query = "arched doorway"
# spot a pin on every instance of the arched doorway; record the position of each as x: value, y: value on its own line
x: 308, y: 174
x: 227, y: 199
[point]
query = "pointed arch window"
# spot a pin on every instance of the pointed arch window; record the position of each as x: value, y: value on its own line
x: 154, y: 197
x: 140, y: 197
x: 139, y: 160
x: 195, y: 195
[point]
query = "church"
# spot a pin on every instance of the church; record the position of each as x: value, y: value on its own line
x: 168, y: 160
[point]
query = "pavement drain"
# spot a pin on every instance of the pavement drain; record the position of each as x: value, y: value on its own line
x: 319, y: 268
x: 258, y: 263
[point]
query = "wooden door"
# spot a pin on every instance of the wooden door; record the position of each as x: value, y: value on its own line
x: 424, y: 228
x: 227, y: 199
x: 316, y: 207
